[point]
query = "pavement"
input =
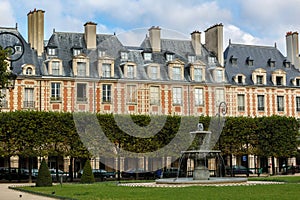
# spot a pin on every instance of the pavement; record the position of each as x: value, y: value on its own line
x: 9, y: 194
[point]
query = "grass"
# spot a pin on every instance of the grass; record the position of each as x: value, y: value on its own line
x: 110, y: 190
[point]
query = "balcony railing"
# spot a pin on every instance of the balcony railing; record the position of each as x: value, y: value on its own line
x: 28, y: 104
x: 82, y: 99
x: 241, y: 108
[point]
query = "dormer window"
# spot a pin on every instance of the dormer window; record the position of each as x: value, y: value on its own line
x: 124, y: 55
x: 191, y: 59
x: 297, y: 83
x: 147, y: 56
x: 233, y: 60
x: 259, y: 76
x: 80, y: 65
x: 130, y: 71
x: 81, y: 69
x: 51, y: 51
x: 259, y: 79
x: 279, y: 80
x: 76, y: 52
x: 176, y: 72
x: 153, y: 72
x: 29, y: 71
x: 286, y: 64
x: 18, y: 48
x: 249, y: 61
x: 198, y: 74
x: 218, y: 75
x: 55, y: 67
x: 271, y: 63
x: 169, y: 56
x: 212, y: 60
x: 106, y: 70
x: 240, y: 79
x: 102, y: 53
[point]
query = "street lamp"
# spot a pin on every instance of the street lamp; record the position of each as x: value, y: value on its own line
x: 15, y: 47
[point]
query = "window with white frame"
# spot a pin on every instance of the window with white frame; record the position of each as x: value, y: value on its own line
x: 280, y: 103
x: 298, y: 104
x: 29, y: 98
x: 130, y: 71
x: 153, y: 72
x: 154, y: 95
x: 124, y: 55
x: 241, y: 102
x: 212, y: 60
x: 176, y: 73
x: 260, y: 102
x: 106, y: 93
x: 220, y: 96
x: 279, y: 80
x: 169, y: 57
x: 219, y: 75
x: 131, y: 94
x: 106, y: 70
x: 81, y: 92
x: 76, y: 52
x: 55, y: 91
x: 191, y: 59
x: 198, y: 74
x: 81, y: 69
x: 177, y: 95
x: 199, y: 96
x: 55, y: 67
x: 51, y: 51
x: 259, y: 79
x: 147, y: 56
x: 101, y: 53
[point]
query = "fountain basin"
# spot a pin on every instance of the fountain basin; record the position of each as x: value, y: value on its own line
x: 211, y: 180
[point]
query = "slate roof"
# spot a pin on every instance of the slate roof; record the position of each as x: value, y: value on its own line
x: 260, y: 56
x: 29, y: 56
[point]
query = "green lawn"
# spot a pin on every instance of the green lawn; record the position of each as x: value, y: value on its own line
x: 109, y: 190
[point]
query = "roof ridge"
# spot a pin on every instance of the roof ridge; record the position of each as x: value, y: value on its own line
x: 252, y: 45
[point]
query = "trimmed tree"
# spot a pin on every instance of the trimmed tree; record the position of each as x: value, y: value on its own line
x: 44, y: 177
x: 87, y: 175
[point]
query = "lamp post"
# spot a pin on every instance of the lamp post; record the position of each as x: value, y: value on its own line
x: 14, y: 45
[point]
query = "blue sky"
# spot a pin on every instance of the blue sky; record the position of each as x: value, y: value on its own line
x: 258, y: 22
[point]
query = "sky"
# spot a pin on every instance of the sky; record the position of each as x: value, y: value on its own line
x: 254, y: 22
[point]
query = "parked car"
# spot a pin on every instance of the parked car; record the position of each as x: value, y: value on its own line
x: 62, y: 175
x: 172, y: 173
x: 14, y: 174
x: 99, y: 173
x: 138, y: 174
x: 238, y: 169
x: 34, y: 173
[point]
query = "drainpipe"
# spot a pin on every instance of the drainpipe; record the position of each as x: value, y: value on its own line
x: 40, y: 95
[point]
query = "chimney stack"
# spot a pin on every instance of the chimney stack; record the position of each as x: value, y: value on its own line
x: 214, y: 41
x: 196, y: 42
x: 154, y: 33
x: 36, y: 30
x: 292, y: 48
x: 90, y: 35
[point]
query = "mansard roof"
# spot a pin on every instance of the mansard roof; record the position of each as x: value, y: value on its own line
x: 261, y: 56
x: 29, y: 56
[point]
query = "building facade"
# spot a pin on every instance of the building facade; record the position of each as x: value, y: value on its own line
x: 96, y: 73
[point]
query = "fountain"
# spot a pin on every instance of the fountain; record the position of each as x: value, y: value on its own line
x: 201, y: 174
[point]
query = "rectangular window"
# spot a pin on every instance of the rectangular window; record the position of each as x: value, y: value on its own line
x: 29, y: 98
x: 130, y: 71
x: 76, y: 52
x: 154, y: 95
x: 147, y: 56
x: 259, y: 79
x: 260, y: 102
x: 81, y: 69
x: 280, y: 103
x: 240, y: 80
x: 106, y: 93
x: 106, y: 70
x: 177, y: 95
x: 220, y: 96
x: 55, y: 91
x: 81, y: 92
x: 55, y: 67
x: 3, y: 100
x: 212, y: 60
x: 241, y: 102
x: 199, y: 96
x: 298, y: 104
x: 198, y: 74
x: 279, y: 80
x: 176, y: 73
x: 169, y: 57
x: 191, y: 59
x: 297, y: 82
x: 131, y: 94
x: 154, y: 72
x: 51, y: 52
x: 219, y: 75
x: 124, y: 56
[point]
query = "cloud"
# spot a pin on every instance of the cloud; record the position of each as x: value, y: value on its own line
x: 5, y: 10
